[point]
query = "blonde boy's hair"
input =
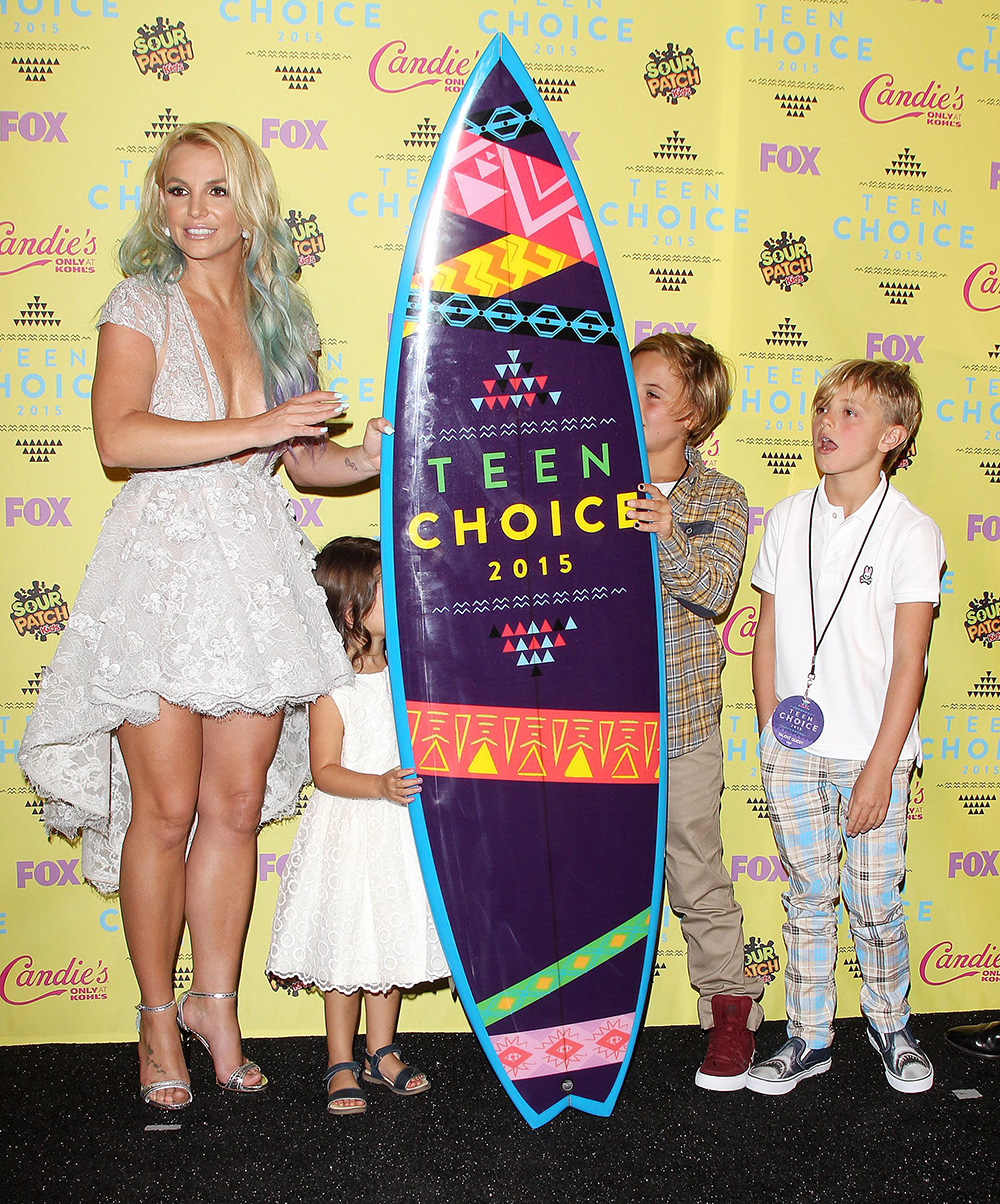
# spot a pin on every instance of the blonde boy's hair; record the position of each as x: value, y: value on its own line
x: 707, y: 377
x: 892, y: 386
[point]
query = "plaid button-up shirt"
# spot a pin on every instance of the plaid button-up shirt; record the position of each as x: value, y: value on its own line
x: 699, y: 570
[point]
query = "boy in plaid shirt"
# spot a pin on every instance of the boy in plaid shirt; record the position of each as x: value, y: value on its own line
x: 700, y: 519
x: 849, y: 575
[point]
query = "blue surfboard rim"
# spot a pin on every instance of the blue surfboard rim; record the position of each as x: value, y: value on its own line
x: 500, y: 50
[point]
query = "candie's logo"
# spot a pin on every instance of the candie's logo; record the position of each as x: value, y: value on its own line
x: 981, y: 286
x: 163, y: 49
x: 785, y: 261
x: 672, y: 73
x: 68, y: 251
x: 941, y: 965
x: 760, y: 959
x: 22, y: 982
x: 882, y: 102
x: 738, y: 631
x: 39, y: 611
x: 982, y: 620
x: 393, y: 69
x: 307, y: 237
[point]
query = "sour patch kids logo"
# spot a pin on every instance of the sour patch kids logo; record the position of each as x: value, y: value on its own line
x: 785, y: 261
x: 163, y: 49
x: 672, y: 73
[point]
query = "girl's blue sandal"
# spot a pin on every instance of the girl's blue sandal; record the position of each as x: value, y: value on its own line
x: 354, y: 1094
x: 398, y: 1085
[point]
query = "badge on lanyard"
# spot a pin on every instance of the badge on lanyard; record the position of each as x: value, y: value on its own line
x: 797, y: 721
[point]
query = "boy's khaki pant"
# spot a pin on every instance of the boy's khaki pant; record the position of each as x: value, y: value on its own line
x: 699, y: 890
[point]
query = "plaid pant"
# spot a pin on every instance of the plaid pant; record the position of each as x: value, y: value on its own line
x: 807, y: 799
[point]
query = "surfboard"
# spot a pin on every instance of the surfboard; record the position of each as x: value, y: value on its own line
x: 522, y: 608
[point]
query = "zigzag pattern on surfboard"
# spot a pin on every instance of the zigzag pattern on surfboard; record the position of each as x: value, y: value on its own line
x: 547, y: 426
x: 560, y: 597
x: 566, y: 969
x: 497, y: 267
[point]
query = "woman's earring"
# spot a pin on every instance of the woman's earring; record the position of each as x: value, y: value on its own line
x: 166, y: 231
x: 245, y: 234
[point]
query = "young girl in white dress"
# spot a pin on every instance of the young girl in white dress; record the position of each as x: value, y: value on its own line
x: 352, y: 917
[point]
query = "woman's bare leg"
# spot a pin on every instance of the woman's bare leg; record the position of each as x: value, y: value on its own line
x: 341, y: 1013
x: 222, y: 873
x: 163, y: 760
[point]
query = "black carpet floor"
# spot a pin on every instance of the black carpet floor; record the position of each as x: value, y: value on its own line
x: 74, y: 1130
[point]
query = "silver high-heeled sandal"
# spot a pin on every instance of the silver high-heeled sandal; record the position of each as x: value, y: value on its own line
x: 146, y: 1093
x: 235, y: 1082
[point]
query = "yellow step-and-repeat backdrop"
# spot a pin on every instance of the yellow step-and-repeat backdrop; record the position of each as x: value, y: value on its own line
x: 797, y: 182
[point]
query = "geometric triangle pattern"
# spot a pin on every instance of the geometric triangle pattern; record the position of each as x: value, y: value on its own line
x: 898, y: 294
x: 787, y: 334
x: 425, y: 135
x: 298, y: 79
x: 516, y: 193
x: 38, y: 451
x: 992, y: 470
x: 522, y: 744
x: 34, y: 683
x: 671, y: 280
x: 905, y: 164
x: 35, y: 71
x: 36, y: 314
x: 795, y: 106
x: 781, y: 463
x: 496, y: 268
x: 675, y: 147
x: 986, y: 687
x: 163, y: 124
x: 977, y: 804
x: 533, y: 645
x: 514, y: 385
x: 553, y: 89
x: 759, y: 807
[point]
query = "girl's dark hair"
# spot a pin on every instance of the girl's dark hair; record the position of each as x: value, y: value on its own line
x: 349, y: 570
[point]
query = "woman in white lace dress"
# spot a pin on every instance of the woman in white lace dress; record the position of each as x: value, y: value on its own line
x: 177, y: 694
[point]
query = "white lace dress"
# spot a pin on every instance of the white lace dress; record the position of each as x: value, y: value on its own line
x: 200, y: 591
x: 352, y: 911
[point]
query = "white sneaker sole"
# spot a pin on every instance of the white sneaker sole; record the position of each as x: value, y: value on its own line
x: 715, y: 1082
x: 783, y: 1086
x: 906, y: 1086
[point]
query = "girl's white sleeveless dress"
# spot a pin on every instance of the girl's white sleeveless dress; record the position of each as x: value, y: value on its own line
x: 352, y: 909
x: 200, y: 591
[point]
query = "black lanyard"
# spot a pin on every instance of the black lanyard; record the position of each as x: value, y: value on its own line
x: 812, y: 594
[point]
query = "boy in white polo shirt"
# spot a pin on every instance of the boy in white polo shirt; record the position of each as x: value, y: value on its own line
x: 849, y: 576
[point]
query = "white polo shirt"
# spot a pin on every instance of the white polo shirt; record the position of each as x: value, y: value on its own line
x: 901, y: 562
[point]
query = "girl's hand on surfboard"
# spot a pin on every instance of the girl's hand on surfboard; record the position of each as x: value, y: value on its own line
x: 298, y: 418
x: 651, y: 514
x: 399, y: 785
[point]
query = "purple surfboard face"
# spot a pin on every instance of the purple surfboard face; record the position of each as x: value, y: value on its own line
x: 528, y: 675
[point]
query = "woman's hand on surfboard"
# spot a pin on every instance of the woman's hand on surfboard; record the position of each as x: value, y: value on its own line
x: 399, y: 785
x: 298, y: 418
x: 653, y: 514
x: 371, y: 445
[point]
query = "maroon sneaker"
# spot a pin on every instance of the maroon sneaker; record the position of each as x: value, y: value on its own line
x: 730, y: 1045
